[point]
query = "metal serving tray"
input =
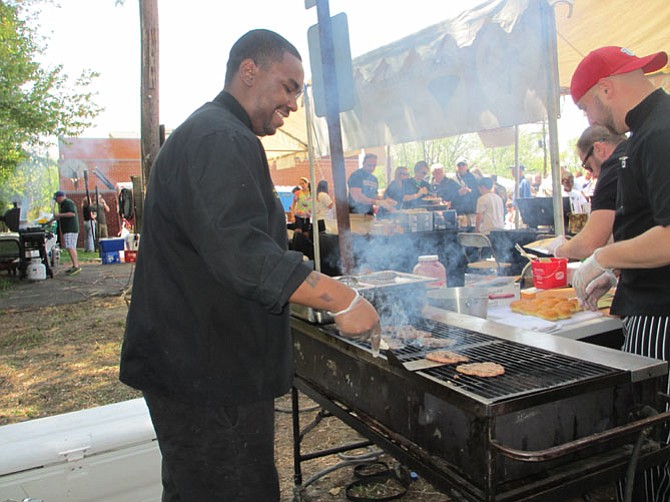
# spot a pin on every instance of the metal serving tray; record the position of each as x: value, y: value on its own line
x: 379, y: 288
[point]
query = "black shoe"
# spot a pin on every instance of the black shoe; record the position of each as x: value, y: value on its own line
x: 74, y: 270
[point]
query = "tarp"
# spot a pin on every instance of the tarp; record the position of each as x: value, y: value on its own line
x: 581, y: 26
x: 290, y: 140
x: 484, y: 70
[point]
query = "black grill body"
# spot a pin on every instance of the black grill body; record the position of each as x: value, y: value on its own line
x: 448, y: 426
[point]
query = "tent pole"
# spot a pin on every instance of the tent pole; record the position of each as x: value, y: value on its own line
x: 549, y: 31
x: 312, y: 180
x: 335, y: 135
x: 517, y: 173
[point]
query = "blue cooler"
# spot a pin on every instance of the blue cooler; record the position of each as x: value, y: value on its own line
x: 109, y: 250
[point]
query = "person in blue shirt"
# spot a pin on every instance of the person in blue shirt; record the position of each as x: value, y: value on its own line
x: 524, y: 184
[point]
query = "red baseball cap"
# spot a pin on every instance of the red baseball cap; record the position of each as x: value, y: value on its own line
x: 608, y: 61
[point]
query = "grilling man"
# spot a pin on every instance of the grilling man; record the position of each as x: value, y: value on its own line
x: 207, y: 338
x: 600, y: 151
x: 611, y: 87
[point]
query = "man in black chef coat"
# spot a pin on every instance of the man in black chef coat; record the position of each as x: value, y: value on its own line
x: 207, y: 337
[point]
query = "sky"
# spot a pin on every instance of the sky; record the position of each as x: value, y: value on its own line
x: 195, y: 38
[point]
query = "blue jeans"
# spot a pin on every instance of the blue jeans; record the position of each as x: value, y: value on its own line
x: 217, y: 453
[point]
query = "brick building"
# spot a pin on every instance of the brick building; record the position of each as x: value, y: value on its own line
x: 107, y: 162
x: 110, y: 161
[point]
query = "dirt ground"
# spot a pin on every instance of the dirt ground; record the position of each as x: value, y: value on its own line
x: 56, y: 359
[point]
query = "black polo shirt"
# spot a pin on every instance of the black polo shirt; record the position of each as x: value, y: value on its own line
x: 209, y: 320
x: 411, y: 187
x: 604, y: 195
x: 446, y: 189
x: 643, y: 202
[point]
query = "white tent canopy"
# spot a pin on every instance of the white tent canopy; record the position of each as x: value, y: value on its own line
x: 290, y: 140
x: 484, y: 70
x: 404, y: 70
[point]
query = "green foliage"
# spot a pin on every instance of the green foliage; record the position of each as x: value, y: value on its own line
x: 35, y: 102
x: 31, y: 183
x: 447, y: 151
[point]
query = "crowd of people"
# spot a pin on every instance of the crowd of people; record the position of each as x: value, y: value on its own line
x: 466, y: 190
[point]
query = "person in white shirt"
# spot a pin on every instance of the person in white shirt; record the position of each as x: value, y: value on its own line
x: 490, y: 208
x: 589, y: 185
x: 578, y: 203
x: 324, y: 205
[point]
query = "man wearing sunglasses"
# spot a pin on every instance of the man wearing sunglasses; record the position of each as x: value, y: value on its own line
x: 600, y: 151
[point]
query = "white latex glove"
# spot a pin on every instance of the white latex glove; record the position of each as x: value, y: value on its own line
x: 587, y: 272
x: 597, y: 288
x: 555, y: 243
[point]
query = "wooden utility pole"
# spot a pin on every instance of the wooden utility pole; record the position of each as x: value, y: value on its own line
x: 150, y: 136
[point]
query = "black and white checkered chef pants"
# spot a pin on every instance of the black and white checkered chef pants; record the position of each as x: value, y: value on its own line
x: 648, y: 335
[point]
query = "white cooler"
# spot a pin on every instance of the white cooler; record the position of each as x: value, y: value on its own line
x: 104, y: 454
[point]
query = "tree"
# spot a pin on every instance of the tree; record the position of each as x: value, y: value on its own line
x: 36, y: 103
x: 498, y: 160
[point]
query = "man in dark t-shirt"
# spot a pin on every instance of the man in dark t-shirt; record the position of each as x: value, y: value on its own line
x: 69, y: 228
x: 363, y: 187
x: 445, y: 188
x: 599, y: 150
x: 414, y: 189
x: 465, y: 202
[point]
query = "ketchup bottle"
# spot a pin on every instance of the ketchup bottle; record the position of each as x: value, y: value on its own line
x: 429, y: 266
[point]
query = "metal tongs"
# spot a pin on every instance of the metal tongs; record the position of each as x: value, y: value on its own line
x: 525, y: 254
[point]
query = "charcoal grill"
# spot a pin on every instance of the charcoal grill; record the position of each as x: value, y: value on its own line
x: 561, y: 419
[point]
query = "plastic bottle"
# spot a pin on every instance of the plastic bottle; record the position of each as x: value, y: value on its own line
x: 429, y: 266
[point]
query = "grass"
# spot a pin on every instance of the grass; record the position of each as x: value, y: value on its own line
x: 6, y: 284
x: 84, y: 256
x: 59, y: 359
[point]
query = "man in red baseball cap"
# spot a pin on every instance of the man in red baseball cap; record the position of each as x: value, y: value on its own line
x: 610, y: 69
x: 611, y: 87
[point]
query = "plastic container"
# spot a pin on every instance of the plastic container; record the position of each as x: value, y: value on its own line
x: 430, y: 266
x: 36, y: 270
x: 130, y: 256
x: 550, y: 273
x: 132, y: 242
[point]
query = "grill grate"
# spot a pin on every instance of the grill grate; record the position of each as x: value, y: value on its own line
x: 527, y: 369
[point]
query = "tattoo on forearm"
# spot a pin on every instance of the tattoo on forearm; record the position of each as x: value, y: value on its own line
x: 312, y: 280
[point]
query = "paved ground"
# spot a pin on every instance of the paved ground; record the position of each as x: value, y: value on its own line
x: 95, y: 280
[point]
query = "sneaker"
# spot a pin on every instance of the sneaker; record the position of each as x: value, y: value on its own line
x: 74, y: 271
x: 69, y: 270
